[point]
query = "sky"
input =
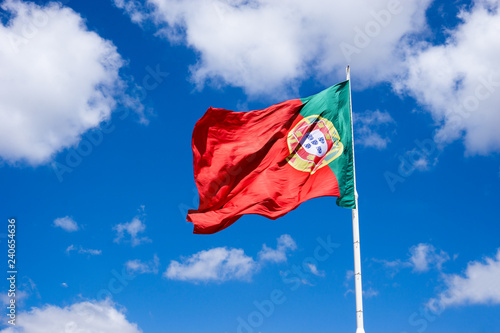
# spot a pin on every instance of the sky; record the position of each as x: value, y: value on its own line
x: 98, y: 100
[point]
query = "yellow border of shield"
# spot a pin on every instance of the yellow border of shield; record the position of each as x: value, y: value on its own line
x: 308, y: 165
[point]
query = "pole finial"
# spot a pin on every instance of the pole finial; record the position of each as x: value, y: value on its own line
x: 348, y: 72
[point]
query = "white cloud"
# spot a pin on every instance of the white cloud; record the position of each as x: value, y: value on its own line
x: 285, y: 244
x: 67, y: 223
x: 70, y: 248
x: 368, y: 128
x: 223, y: 264
x: 219, y: 264
x: 314, y: 269
x: 269, y: 46
x: 58, y: 81
x: 133, y: 8
x: 370, y: 292
x: 392, y: 267
x: 480, y: 284
x: 82, y: 250
x: 102, y: 317
x: 389, y: 263
x: 89, y: 251
x: 422, y: 163
x: 423, y: 256
x: 138, y: 267
x: 458, y: 82
x: 367, y: 293
x: 132, y: 229
x: 419, y: 158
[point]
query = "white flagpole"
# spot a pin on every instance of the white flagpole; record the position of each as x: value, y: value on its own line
x: 355, y: 232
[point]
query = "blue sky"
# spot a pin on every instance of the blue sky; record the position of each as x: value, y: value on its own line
x: 98, y: 100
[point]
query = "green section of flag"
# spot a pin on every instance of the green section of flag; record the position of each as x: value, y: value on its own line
x: 334, y: 104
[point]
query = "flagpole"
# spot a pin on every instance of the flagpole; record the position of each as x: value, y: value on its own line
x: 355, y: 231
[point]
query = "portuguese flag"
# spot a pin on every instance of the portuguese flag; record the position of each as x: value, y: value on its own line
x: 269, y: 161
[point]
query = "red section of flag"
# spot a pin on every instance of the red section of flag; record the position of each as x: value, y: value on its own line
x: 240, y: 167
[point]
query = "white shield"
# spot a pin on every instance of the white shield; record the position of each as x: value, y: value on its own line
x: 315, y: 143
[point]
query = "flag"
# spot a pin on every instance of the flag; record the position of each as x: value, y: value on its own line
x: 269, y: 161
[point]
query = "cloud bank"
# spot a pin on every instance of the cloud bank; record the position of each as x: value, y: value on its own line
x: 478, y: 285
x: 267, y: 47
x: 58, y: 81
x: 458, y: 82
x: 102, y: 317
